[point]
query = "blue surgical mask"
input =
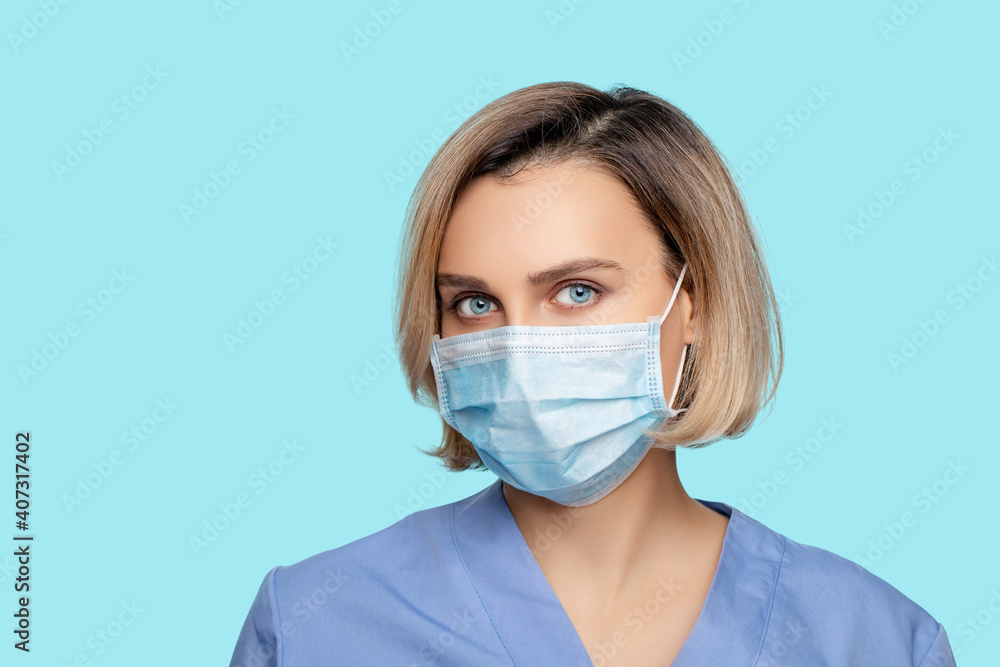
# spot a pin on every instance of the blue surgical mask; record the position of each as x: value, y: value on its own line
x: 560, y: 412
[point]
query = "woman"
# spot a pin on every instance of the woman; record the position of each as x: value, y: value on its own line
x: 569, y: 254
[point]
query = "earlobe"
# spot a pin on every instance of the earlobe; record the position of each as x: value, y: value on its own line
x: 690, y: 318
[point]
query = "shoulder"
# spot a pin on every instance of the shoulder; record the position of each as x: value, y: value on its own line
x: 304, y: 609
x: 400, y: 547
x: 826, y: 603
x: 815, y: 574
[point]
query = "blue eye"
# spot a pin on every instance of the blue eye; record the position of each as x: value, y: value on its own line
x: 471, y: 306
x: 477, y: 305
x: 578, y: 293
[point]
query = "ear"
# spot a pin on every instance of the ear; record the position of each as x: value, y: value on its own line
x: 689, y: 319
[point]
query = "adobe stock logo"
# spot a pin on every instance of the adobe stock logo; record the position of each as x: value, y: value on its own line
x: 419, y: 495
x: 409, y: 163
x: 900, y: 16
x: 122, y: 107
x: 795, y: 459
x: 30, y: 25
x: 713, y: 29
x: 87, y: 310
x: 103, y: 469
x: 927, y: 329
x: 363, y: 35
x: 914, y: 168
x: 924, y: 500
x: 231, y: 510
x: 974, y: 624
x: 223, y: 7
x: 249, y: 149
x: 562, y: 12
x: 105, y: 636
x: 787, y: 126
x: 264, y: 309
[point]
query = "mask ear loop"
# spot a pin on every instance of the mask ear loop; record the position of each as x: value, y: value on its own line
x: 680, y: 370
x: 677, y: 287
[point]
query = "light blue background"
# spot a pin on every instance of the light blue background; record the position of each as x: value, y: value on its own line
x: 846, y: 305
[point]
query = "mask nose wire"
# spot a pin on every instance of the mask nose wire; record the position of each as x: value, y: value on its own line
x: 677, y: 287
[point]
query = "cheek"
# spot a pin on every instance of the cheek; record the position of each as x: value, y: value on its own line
x: 447, y: 327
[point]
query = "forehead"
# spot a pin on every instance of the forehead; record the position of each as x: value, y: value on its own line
x: 544, y: 216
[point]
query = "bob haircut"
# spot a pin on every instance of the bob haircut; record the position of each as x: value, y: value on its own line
x: 683, y: 188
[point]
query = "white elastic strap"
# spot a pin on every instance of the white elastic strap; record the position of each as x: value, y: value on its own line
x: 677, y: 383
x: 677, y: 287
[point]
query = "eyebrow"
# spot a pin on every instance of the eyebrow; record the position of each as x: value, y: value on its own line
x: 540, y: 278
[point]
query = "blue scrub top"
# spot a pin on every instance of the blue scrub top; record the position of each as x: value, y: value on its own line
x: 457, y: 585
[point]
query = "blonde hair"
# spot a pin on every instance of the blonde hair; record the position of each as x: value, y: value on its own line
x: 683, y: 188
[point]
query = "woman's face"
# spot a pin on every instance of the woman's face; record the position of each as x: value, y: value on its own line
x: 557, y: 246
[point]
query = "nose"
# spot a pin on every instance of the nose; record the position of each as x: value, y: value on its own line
x: 518, y: 313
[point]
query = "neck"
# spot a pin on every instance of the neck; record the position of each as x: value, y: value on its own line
x: 648, y: 524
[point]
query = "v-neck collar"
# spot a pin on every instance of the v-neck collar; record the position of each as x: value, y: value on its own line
x: 533, y: 626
